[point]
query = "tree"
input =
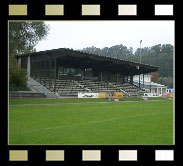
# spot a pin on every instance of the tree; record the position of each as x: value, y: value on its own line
x: 168, y: 81
x: 157, y: 49
x: 155, y: 77
x: 17, y: 79
x: 23, y: 37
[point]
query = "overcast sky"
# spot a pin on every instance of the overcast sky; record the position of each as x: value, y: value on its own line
x: 82, y: 34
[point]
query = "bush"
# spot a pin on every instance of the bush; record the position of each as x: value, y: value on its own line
x: 17, y: 79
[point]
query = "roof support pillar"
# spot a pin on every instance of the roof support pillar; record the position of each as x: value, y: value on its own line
x: 139, y: 80
x: 50, y: 68
x: 131, y: 79
x: 117, y: 78
x: 150, y: 87
x: 123, y: 79
x: 39, y: 69
x: 84, y: 74
x: 55, y: 68
x: 19, y: 62
x: 28, y: 66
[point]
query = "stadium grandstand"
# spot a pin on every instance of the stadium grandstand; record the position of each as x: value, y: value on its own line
x: 65, y: 72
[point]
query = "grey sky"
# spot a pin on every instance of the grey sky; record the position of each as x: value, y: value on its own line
x: 82, y: 34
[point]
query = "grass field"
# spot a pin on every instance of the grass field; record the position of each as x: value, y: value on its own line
x: 54, y: 101
x: 73, y: 100
x: 137, y: 122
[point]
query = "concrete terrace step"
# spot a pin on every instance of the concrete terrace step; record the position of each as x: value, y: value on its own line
x: 70, y: 87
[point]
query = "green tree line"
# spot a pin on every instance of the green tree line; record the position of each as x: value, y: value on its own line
x: 158, y: 55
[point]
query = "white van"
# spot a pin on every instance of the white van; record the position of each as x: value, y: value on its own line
x: 151, y: 95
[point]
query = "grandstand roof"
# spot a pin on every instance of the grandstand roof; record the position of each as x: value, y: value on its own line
x: 97, y: 62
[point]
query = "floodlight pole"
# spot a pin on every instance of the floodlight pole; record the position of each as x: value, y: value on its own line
x: 140, y: 50
x: 140, y: 61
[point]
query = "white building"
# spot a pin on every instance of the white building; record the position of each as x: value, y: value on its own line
x: 147, y: 84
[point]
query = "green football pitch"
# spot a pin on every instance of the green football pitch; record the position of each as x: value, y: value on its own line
x: 55, y: 121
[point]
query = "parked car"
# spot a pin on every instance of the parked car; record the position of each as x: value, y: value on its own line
x: 146, y: 90
x: 151, y: 95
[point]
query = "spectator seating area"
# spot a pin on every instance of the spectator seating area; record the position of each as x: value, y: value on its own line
x: 70, y: 88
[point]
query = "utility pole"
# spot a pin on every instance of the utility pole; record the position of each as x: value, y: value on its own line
x: 140, y: 50
x: 140, y: 61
